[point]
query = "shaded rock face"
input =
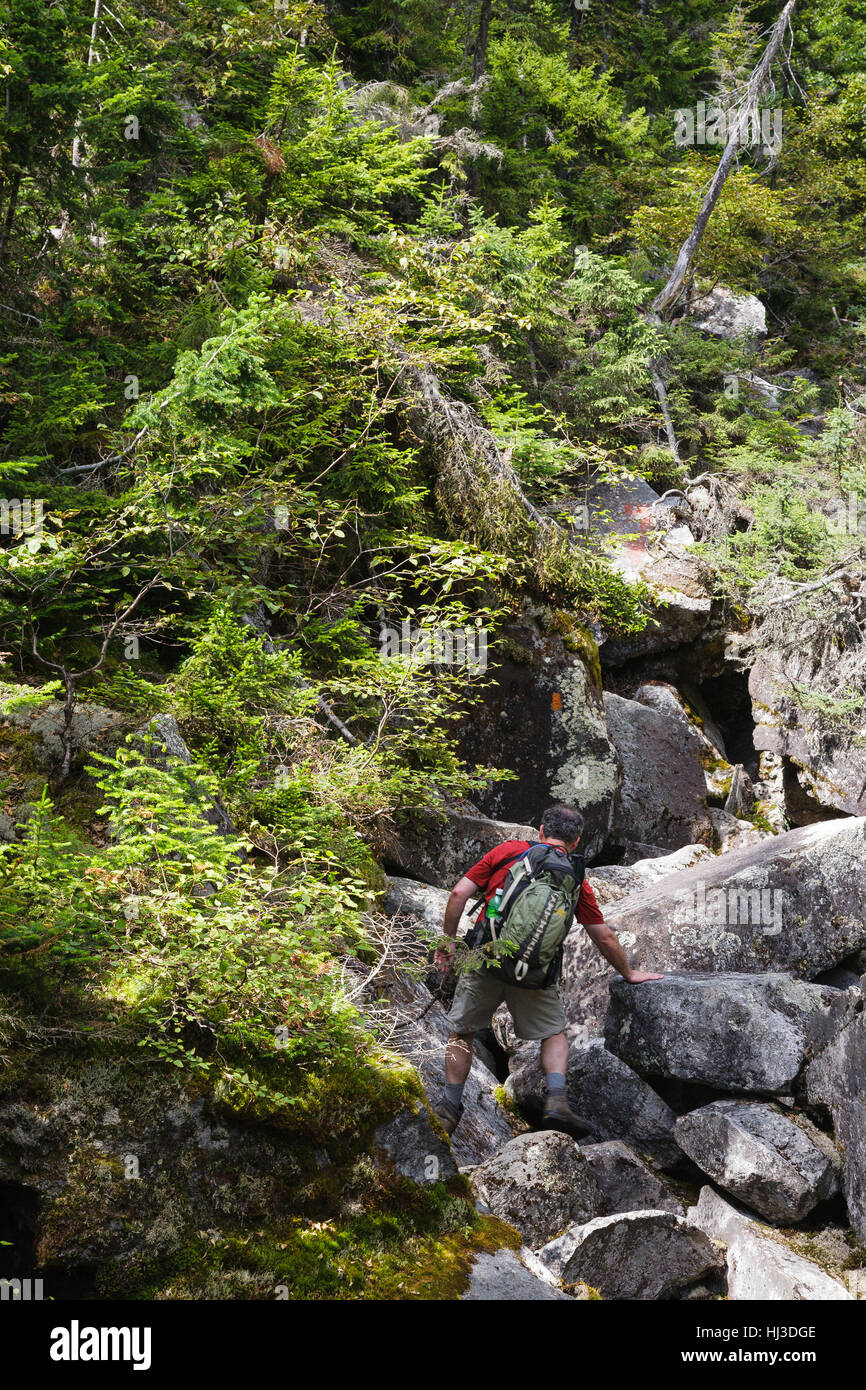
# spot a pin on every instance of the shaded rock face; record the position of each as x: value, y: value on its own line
x: 636, y: 1255
x: 760, y: 1265
x: 539, y: 1184
x: 794, y: 902
x: 439, y: 849
x: 409, y: 1146
x: 414, y: 1025
x: 95, y: 729
x: 829, y: 771
x: 127, y: 1169
x: 542, y: 717
x: 626, y: 1181
x: 836, y: 1085
x: 609, y: 1095
x: 503, y: 1277
x: 663, y: 796
x: 735, y: 1032
x: 777, y: 1166
x: 664, y: 697
x: 728, y: 315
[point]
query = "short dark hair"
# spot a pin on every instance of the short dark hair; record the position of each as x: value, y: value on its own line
x: 562, y: 822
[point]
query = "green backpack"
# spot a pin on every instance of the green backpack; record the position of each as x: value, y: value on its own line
x: 529, y: 918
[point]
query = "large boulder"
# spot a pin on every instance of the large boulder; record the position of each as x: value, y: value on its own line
x: 438, y: 848
x: 541, y: 716
x: 117, y: 1179
x: 682, y: 605
x: 626, y: 1181
x: 823, y: 770
x: 606, y: 1092
x: 735, y: 1032
x: 778, y: 1166
x: 663, y: 794
x: 635, y: 1255
x: 408, y: 1145
x: 661, y: 695
x: 539, y: 1184
x: 94, y: 728
x: 760, y: 1264
x: 728, y: 315
x: 406, y: 897
x: 610, y: 882
x: 836, y: 1085
x: 794, y: 902
x: 503, y: 1276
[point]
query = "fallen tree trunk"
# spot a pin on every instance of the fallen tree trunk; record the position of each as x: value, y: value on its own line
x: 758, y: 80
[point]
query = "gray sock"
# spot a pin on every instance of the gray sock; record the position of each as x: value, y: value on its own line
x: 556, y: 1083
x: 454, y: 1092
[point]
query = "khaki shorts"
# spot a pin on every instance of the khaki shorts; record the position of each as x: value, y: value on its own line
x: 537, y: 1013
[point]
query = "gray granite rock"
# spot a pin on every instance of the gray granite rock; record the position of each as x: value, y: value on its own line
x: 409, y: 1146
x: 727, y: 314
x: 627, y: 1182
x: 504, y: 1278
x: 835, y: 1083
x: 438, y: 849
x: 760, y: 1264
x: 663, y: 794
x: 778, y: 1166
x: 793, y: 902
x: 539, y: 1184
x: 607, y: 1092
x: 634, y: 1255
x: 735, y: 1032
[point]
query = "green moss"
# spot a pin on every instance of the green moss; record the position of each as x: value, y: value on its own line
x: 514, y: 651
x: 578, y: 639
x: 343, y: 1101
x: 425, y: 1253
x: 757, y: 818
x: 509, y: 1105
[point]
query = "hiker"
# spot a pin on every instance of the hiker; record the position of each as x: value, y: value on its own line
x: 532, y: 893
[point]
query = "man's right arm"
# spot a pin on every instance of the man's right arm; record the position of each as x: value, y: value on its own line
x: 460, y: 894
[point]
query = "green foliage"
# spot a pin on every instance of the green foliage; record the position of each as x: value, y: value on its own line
x: 241, y: 270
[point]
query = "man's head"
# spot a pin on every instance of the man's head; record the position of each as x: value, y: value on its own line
x: 563, y: 824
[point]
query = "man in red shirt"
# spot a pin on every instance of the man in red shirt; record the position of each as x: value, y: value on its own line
x: 537, y: 1013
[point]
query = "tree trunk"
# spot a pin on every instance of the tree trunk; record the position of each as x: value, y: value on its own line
x: 479, y: 57
x: 10, y: 214
x: 661, y: 393
x: 91, y: 58
x: 671, y: 292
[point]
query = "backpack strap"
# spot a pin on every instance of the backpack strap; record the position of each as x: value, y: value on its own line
x: 523, y: 870
x: 480, y: 896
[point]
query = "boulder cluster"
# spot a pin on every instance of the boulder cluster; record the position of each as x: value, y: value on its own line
x: 728, y: 1157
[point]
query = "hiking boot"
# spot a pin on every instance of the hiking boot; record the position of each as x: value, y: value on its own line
x: 558, y: 1114
x: 448, y: 1115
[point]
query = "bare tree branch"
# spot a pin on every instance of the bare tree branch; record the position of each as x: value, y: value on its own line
x: 754, y: 87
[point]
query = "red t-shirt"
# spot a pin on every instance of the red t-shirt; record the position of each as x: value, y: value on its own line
x: 490, y: 872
